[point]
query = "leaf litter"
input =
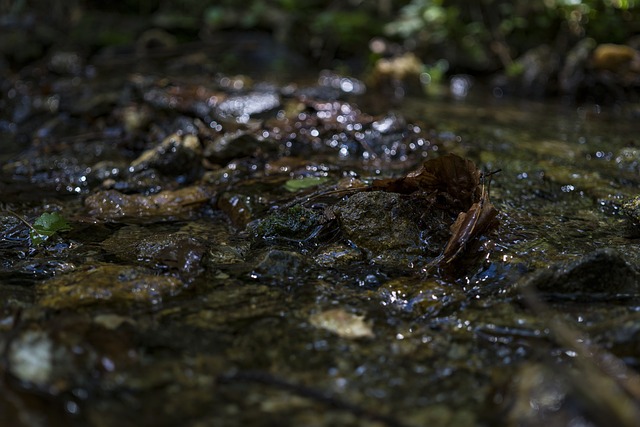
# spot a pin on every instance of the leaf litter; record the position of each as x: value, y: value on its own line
x: 451, y: 184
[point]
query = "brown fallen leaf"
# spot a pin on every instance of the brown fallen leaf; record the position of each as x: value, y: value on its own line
x: 451, y: 177
x: 469, y: 225
x: 455, y: 184
x: 448, y: 183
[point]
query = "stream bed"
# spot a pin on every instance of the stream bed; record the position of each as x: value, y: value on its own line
x: 229, y: 264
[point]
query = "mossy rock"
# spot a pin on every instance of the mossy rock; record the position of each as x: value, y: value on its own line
x: 294, y: 223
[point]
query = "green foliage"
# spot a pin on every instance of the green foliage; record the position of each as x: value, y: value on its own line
x: 46, y: 225
x: 345, y: 26
x: 492, y: 31
x: 480, y: 35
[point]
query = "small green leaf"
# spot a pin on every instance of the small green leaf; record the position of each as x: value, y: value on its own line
x: 294, y: 185
x: 46, y: 226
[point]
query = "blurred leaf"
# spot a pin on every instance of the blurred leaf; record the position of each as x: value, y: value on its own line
x: 294, y: 185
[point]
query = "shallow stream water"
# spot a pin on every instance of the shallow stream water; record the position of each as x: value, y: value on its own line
x: 207, y: 327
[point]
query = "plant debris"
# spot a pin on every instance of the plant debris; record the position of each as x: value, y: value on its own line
x: 451, y: 184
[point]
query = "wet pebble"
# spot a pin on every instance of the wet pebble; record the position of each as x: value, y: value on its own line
x: 342, y: 323
x: 231, y: 146
x: 177, y: 154
x: 338, y: 255
x: 279, y: 264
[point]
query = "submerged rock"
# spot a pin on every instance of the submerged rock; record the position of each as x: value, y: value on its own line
x: 338, y: 255
x: 603, y: 274
x: 281, y: 265
x: 104, y: 284
x: 31, y: 357
x: 378, y: 222
x: 111, y: 204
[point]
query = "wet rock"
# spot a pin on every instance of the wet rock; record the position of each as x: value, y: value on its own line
x: 68, y: 351
x: 338, y: 255
x: 243, y: 107
x: 239, y: 208
x: 538, y: 396
x: 31, y: 357
x: 422, y: 298
x: 106, y: 284
x: 619, y: 59
x: 228, y: 306
x: 176, y: 251
x: 377, y: 222
x: 176, y: 155
x: 113, y: 205
x: 232, y: 146
x: 337, y: 126
x: 223, y: 254
x: 390, y: 228
x: 279, y: 264
x: 289, y: 224
x: 603, y: 274
x: 632, y: 209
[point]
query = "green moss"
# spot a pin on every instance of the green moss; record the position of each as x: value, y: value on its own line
x: 296, y: 222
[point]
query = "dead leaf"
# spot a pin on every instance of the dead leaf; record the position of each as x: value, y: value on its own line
x: 342, y: 323
x: 448, y: 183
x: 469, y: 225
x: 455, y: 184
x: 455, y: 179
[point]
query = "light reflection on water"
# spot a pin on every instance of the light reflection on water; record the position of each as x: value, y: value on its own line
x: 565, y: 171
